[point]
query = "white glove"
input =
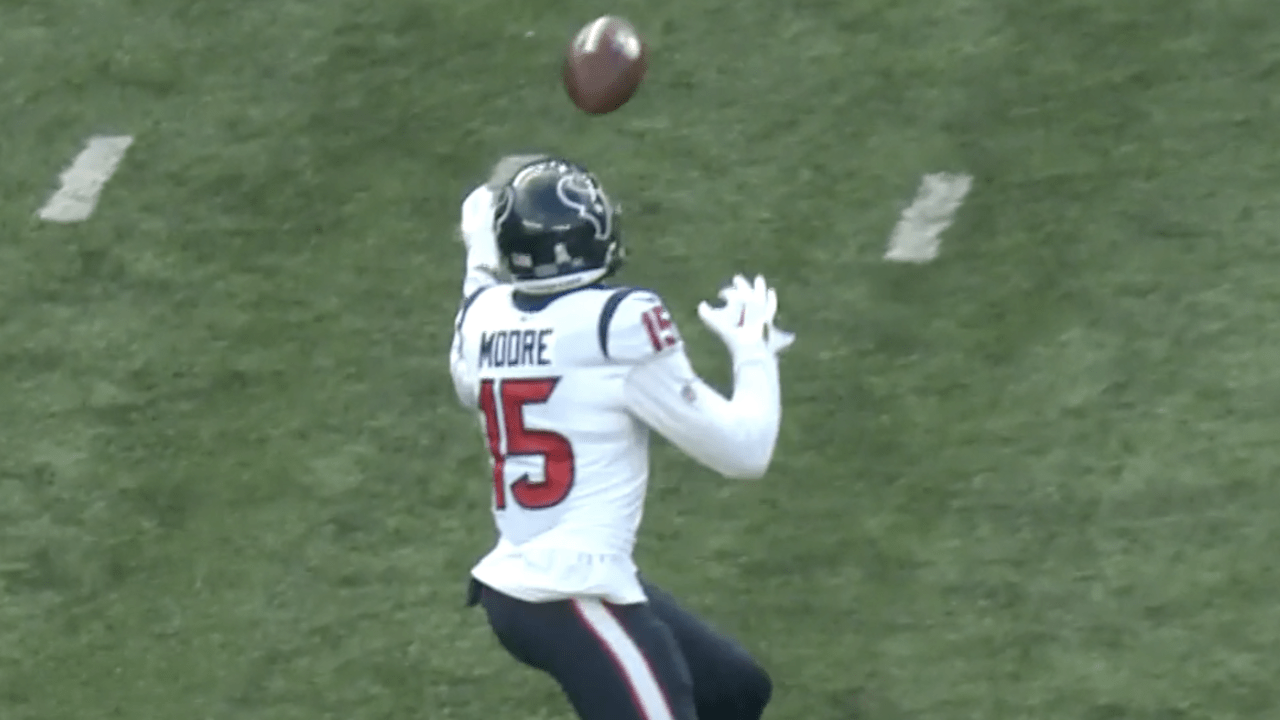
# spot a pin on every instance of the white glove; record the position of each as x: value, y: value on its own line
x: 745, y: 322
x: 477, y: 230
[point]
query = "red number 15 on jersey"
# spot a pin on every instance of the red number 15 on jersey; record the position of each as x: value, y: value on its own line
x: 662, y: 332
x: 503, y: 403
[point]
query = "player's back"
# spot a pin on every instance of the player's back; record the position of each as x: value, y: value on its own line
x: 570, y: 462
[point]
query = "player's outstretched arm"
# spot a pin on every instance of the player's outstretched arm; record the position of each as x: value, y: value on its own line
x: 734, y: 436
x: 476, y: 229
x: 477, y: 233
x: 476, y: 226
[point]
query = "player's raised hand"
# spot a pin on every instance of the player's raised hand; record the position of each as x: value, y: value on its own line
x: 745, y: 321
x: 476, y: 222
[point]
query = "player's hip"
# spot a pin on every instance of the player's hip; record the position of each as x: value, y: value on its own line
x: 579, y: 529
x: 542, y: 575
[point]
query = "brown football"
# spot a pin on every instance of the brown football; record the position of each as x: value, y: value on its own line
x: 605, y: 64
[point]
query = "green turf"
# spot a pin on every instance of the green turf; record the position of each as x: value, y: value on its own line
x: 1035, y: 479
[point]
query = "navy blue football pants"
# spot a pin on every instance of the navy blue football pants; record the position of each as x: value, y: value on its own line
x: 649, y: 661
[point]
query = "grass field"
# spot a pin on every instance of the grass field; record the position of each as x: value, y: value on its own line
x: 1034, y: 479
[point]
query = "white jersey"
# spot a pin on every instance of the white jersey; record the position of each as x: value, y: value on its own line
x: 567, y: 389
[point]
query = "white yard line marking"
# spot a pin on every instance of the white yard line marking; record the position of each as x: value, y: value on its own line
x: 918, y: 234
x: 83, y: 180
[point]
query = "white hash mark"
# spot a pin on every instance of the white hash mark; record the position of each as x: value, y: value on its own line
x: 83, y: 180
x: 918, y: 234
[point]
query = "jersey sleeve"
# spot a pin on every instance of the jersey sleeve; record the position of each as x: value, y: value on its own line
x: 733, y: 436
x: 635, y: 327
x: 476, y: 228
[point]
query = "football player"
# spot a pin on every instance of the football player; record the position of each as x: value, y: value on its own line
x: 569, y: 376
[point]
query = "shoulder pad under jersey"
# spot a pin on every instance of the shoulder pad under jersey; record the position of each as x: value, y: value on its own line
x: 635, y: 325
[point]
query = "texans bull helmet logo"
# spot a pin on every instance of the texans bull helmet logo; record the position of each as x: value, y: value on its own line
x: 580, y: 193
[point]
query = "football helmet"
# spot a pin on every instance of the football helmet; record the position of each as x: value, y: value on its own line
x: 556, y: 228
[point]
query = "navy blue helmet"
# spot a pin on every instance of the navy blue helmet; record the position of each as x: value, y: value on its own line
x: 556, y: 228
